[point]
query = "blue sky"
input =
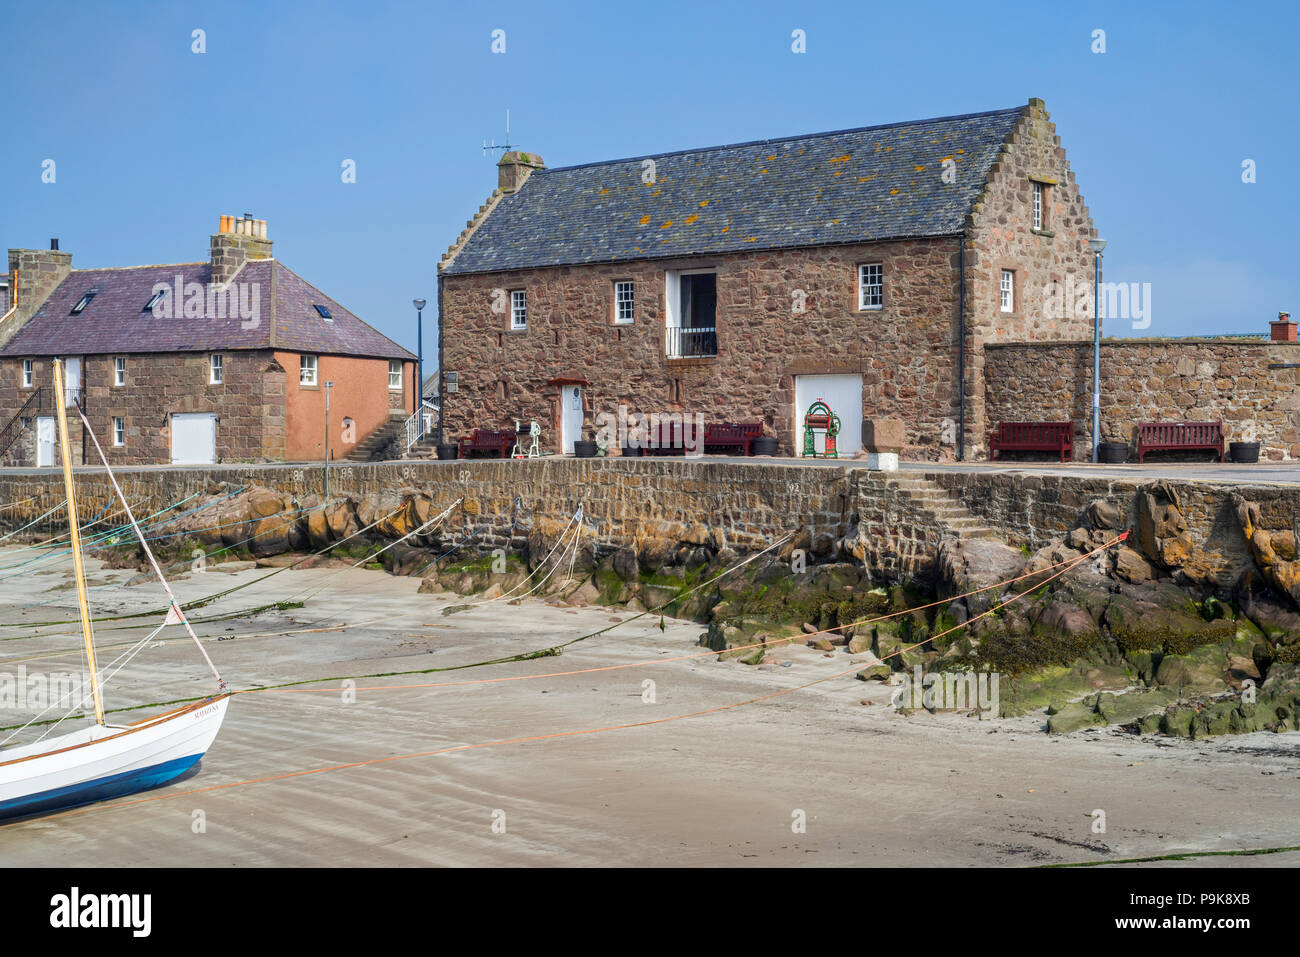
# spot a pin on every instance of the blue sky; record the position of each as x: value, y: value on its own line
x: 153, y: 142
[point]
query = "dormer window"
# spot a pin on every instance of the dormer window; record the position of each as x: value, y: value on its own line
x: 82, y: 303
x: 322, y: 312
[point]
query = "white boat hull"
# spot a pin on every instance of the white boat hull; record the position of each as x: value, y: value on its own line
x: 106, y: 761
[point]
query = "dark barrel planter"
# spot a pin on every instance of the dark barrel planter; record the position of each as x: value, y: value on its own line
x: 631, y: 451
x: 448, y: 450
x: 1112, y: 453
x: 583, y: 449
x: 1244, y: 452
x: 764, y: 445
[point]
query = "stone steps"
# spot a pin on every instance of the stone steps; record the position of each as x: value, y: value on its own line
x: 935, y: 503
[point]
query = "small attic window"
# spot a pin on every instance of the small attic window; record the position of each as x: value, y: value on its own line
x: 82, y: 303
x: 322, y: 311
x: 154, y: 300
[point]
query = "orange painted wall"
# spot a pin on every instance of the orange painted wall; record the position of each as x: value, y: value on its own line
x: 360, y: 393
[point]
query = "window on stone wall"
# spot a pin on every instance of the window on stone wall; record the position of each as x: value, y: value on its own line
x: 518, y: 309
x: 871, y: 286
x: 215, y: 369
x: 1039, y: 195
x: 306, y: 370
x: 624, y: 308
x: 119, y: 370
x: 394, y: 375
x: 1008, y: 290
x: 28, y: 374
x: 119, y: 431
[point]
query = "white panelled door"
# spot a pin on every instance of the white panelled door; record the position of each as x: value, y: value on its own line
x: 45, y: 441
x: 843, y: 393
x: 570, y: 416
x: 194, y: 438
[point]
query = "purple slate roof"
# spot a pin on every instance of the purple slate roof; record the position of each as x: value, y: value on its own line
x: 114, y: 321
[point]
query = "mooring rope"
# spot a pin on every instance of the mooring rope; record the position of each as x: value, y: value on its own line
x: 650, y: 722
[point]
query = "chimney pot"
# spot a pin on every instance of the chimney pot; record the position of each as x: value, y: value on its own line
x: 54, y: 244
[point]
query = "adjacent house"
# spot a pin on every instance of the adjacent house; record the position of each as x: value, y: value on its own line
x: 225, y: 360
x: 866, y: 268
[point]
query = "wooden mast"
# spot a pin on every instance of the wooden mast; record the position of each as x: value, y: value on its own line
x: 60, y: 403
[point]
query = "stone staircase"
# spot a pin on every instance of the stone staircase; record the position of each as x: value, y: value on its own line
x: 937, y: 504
x: 372, y: 447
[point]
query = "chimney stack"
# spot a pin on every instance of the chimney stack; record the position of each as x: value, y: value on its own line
x: 515, y: 167
x: 1282, y: 329
x: 33, y: 275
x: 237, y: 241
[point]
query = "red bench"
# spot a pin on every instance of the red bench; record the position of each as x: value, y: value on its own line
x: 1179, y: 436
x: 731, y: 435
x: 666, y: 438
x: 1033, y: 437
x: 496, y: 443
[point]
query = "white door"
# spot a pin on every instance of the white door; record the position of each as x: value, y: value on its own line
x: 71, y: 380
x: 194, y: 438
x: 843, y: 393
x: 570, y: 416
x: 45, y: 441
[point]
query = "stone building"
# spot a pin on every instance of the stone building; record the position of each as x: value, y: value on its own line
x: 867, y: 267
x: 224, y: 360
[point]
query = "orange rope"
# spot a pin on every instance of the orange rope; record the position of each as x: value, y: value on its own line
x: 576, y: 733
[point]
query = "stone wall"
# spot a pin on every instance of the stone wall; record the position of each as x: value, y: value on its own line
x: 1047, y: 262
x: 906, y: 352
x: 249, y: 404
x: 1152, y: 380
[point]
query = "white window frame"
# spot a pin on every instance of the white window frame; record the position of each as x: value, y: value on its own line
x: 307, y: 369
x: 119, y: 370
x: 216, y: 369
x: 1039, y: 195
x: 865, y: 288
x: 622, y: 318
x: 119, y: 431
x: 394, y: 369
x: 518, y: 308
x: 1007, y: 289
x: 29, y: 373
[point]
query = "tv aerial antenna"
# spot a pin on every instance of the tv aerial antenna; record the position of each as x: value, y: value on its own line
x: 492, y: 147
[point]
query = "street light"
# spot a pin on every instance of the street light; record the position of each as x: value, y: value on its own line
x: 419, y: 367
x: 1096, y: 245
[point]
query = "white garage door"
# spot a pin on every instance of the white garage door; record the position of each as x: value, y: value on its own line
x: 843, y: 393
x: 194, y: 438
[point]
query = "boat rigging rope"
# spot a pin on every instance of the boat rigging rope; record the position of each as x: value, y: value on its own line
x: 174, y: 613
x: 588, y: 731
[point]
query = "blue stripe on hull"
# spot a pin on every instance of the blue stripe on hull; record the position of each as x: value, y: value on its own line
x: 100, y: 789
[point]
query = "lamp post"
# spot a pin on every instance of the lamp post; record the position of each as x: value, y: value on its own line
x: 419, y: 365
x: 1096, y: 245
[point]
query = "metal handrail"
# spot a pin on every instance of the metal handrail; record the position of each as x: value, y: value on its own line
x: 36, y: 403
x: 691, y: 342
x: 411, y: 427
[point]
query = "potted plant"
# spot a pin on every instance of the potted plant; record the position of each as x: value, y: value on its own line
x: 1245, y: 451
x: 585, y: 448
x: 448, y: 450
x: 765, y: 444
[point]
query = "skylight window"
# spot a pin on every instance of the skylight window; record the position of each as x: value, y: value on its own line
x: 154, y: 300
x: 324, y: 313
x: 82, y: 303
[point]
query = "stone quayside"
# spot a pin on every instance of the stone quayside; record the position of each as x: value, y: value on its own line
x: 1190, y: 627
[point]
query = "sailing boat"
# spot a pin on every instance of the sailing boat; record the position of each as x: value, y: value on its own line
x: 106, y: 760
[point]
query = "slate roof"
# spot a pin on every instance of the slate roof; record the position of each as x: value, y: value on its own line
x: 114, y: 322
x: 849, y: 186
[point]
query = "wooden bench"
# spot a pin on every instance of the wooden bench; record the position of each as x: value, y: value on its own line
x: 1055, y: 437
x: 731, y: 435
x: 1179, y: 436
x: 495, y: 443
x: 666, y: 438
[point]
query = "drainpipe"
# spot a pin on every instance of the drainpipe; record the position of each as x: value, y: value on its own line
x: 961, y: 347
x: 442, y: 376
